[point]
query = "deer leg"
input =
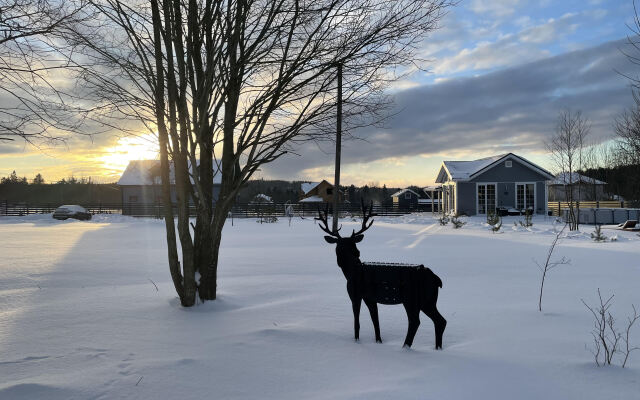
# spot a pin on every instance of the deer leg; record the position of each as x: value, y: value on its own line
x: 439, y: 323
x: 373, y: 310
x: 413, y: 315
x: 355, y: 303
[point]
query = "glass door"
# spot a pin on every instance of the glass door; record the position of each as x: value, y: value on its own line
x: 525, y: 196
x: 486, y: 198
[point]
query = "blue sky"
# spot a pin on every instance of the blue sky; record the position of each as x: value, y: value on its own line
x: 500, y: 71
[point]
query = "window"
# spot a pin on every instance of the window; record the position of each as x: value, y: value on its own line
x: 407, y: 195
x: 133, y: 199
x: 329, y: 190
x: 508, y: 164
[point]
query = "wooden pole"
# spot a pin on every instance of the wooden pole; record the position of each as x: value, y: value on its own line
x: 336, y: 181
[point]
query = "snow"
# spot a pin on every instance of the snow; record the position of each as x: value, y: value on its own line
x: 461, y: 170
x: 312, y: 199
x: 80, y: 316
x: 565, y: 178
x: 400, y: 192
x: 72, y: 208
x: 308, y: 186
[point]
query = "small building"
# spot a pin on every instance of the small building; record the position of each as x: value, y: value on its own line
x: 405, y: 198
x: 141, y: 187
x: 502, y: 182
x: 583, y: 188
x: 261, y: 198
x: 318, y: 192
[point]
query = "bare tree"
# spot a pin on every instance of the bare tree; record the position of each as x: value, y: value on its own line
x: 231, y: 85
x: 567, y: 152
x: 550, y: 264
x: 34, y: 105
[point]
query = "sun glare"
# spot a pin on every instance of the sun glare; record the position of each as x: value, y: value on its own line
x: 117, y: 157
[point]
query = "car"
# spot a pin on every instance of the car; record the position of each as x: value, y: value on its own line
x: 71, y: 211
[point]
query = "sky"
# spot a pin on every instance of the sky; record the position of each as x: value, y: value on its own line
x: 500, y: 71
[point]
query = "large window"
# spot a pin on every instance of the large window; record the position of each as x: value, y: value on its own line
x: 486, y: 198
x: 525, y: 196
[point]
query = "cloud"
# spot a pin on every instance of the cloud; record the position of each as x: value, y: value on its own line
x: 514, y: 109
x: 497, y: 8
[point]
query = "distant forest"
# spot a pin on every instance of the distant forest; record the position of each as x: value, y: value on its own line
x: 83, y: 191
x: 622, y: 180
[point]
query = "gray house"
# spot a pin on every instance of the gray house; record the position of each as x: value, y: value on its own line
x: 405, y: 198
x: 504, y: 182
x: 141, y: 186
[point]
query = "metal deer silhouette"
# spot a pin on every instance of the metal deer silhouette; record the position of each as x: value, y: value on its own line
x: 413, y: 286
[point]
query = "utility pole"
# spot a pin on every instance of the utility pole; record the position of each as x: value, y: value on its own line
x: 336, y: 180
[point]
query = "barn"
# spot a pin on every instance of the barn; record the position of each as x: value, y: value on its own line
x: 141, y: 187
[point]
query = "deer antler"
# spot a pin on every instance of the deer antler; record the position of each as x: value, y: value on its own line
x: 322, y: 217
x: 367, y: 212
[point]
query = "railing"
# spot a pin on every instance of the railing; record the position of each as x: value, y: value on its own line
x: 556, y: 206
x: 241, y: 210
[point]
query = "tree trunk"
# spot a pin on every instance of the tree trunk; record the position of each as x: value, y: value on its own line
x: 209, y: 272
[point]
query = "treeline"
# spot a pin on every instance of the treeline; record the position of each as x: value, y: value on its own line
x: 622, y: 180
x: 283, y: 191
x: 84, y: 191
x: 71, y: 190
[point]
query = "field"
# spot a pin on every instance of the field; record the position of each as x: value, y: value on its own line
x: 81, y: 318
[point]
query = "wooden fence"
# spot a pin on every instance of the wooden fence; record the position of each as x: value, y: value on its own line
x: 556, y: 206
x: 243, y: 210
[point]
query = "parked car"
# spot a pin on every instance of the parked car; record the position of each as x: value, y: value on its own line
x: 71, y: 211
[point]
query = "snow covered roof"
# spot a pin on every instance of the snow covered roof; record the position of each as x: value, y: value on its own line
x: 432, y: 188
x: 307, y: 187
x: 460, y: 170
x: 142, y: 172
x: 260, y: 197
x: 400, y: 192
x: 565, y: 178
x: 312, y: 199
x: 465, y: 170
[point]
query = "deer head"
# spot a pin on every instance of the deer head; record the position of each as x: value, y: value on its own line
x: 346, y: 251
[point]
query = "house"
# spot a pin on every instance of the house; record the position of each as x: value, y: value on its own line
x: 141, y: 186
x: 405, y: 198
x: 505, y: 181
x: 582, y: 187
x: 317, y: 192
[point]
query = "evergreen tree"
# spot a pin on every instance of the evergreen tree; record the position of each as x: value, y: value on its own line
x: 38, y: 180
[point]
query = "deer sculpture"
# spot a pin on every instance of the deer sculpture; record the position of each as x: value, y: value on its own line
x: 413, y: 286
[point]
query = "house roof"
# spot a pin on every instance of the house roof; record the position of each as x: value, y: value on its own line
x: 312, y: 199
x: 565, y: 178
x: 141, y: 172
x: 308, y: 186
x: 400, y: 192
x: 466, y: 170
x: 260, y: 197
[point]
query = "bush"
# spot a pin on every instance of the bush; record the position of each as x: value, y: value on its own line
x: 457, y: 223
x: 494, y: 220
x: 528, y: 217
x: 608, y: 341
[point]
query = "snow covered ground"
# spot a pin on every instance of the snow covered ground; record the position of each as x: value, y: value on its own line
x: 80, y: 317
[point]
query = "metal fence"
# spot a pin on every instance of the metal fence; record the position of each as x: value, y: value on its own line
x: 240, y: 210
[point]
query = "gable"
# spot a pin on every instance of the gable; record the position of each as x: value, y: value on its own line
x: 518, y: 172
